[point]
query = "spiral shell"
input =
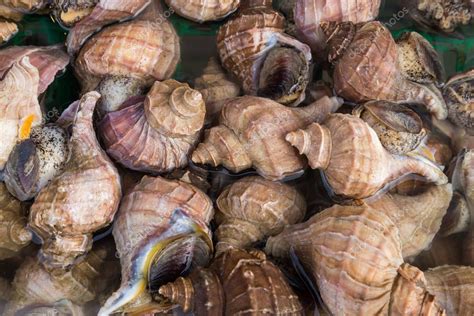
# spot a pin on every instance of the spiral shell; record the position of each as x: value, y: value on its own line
x: 140, y: 49
x: 199, y: 11
x: 13, y: 233
x: 354, y: 253
x: 160, y: 230
x: 82, y: 199
x: 369, y: 69
x: 239, y: 282
x: 459, y: 96
x: 251, y: 134
x: 354, y: 161
x: 156, y: 135
x: 253, y: 208
x: 254, y: 48
x: 7, y: 30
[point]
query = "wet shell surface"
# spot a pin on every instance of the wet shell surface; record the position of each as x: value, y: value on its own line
x: 253, y: 208
x: 459, y: 96
x: 156, y: 134
x: 204, y: 11
x: 82, y: 199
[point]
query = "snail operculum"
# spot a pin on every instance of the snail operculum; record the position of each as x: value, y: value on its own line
x: 399, y: 128
x: 115, y: 90
x: 69, y: 12
x: 459, y: 96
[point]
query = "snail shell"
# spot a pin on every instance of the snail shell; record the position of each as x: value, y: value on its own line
x: 10, y: 13
x: 253, y: 208
x: 459, y: 96
x: 268, y: 63
x: 157, y: 135
x: 25, y: 5
x: 36, y: 285
x: 354, y: 161
x: 453, y: 287
x: 355, y: 256
x: 399, y: 128
x: 82, y: 199
x: 369, y: 69
x: 13, y: 233
x: 141, y: 49
x: 160, y: 231
x: 238, y: 282
x: 251, y: 134
x: 7, y: 30
x: 47, y: 150
x: 199, y: 11
x: 69, y: 12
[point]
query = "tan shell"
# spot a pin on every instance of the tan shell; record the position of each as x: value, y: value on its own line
x: 105, y: 12
x: 216, y: 87
x: 199, y: 11
x: 254, y: 48
x: 458, y: 94
x: 369, y: 70
x: 399, y: 128
x: 251, y: 134
x: 355, y: 255
x: 417, y: 217
x: 7, y: 30
x: 453, y: 287
x: 35, y: 285
x: 140, y: 49
x: 25, y: 5
x: 247, y: 282
x: 82, y: 199
x: 308, y: 15
x: 159, y: 221
x: 13, y: 233
x: 353, y: 160
x: 253, y: 208
x: 18, y: 103
x: 10, y: 13
x: 158, y: 134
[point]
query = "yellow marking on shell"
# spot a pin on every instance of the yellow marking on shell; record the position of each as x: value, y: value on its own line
x: 25, y: 129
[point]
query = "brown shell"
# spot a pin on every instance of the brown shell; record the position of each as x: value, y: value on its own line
x: 13, y: 233
x: 140, y: 49
x: 216, y: 87
x: 154, y: 216
x: 251, y: 42
x: 253, y: 208
x: 309, y: 14
x: 417, y: 217
x: 459, y: 96
x: 18, y: 103
x: 82, y: 199
x: 158, y: 134
x: 354, y: 253
x: 251, y: 134
x: 453, y: 287
x: 354, y: 161
x: 444, y: 16
x: 36, y: 285
x: 7, y: 30
x: 199, y: 11
x: 399, y: 128
x: 443, y: 251
x: 25, y: 5
x: 10, y: 13
x: 369, y: 70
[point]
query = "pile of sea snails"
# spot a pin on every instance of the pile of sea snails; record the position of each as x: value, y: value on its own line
x: 253, y: 189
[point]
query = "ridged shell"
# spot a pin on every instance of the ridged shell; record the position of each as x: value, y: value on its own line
x: 253, y: 208
x: 353, y: 160
x: 308, y: 15
x: 7, y: 30
x: 156, y: 213
x: 369, y: 70
x: 251, y: 134
x: 105, y: 12
x: 82, y: 199
x: 25, y: 5
x: 10, y: 13
x: 139, y: 49
x: 354, y: 253
x: 453, y: 287
x: 13, y: 233
x: 158, y: 134
x: 203, y: 11
x: 459, y: 96
x: 35, y: 285
x: 18, y: 103
x: 244, y: 44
